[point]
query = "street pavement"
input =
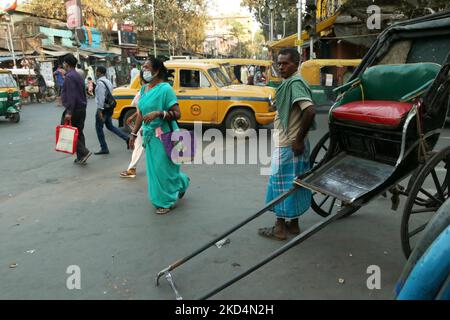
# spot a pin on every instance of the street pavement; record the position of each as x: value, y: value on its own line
x: 55, y: 214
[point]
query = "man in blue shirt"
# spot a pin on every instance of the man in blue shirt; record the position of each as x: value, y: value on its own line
x: 104, y: 113
x: 73, y: 97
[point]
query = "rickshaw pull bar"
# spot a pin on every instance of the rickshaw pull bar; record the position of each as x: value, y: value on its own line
x: 295, y: 241
x: 220, y: 237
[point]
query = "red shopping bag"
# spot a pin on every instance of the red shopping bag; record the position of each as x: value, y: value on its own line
x: 66, y: 138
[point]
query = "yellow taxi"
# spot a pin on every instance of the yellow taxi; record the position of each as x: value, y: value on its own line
x: 205, y: 94
x: 228, y: 64
x: 273, y: 79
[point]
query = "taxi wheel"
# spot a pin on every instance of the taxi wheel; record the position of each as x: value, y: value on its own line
x: 240, y: 121
x: 15, y: 117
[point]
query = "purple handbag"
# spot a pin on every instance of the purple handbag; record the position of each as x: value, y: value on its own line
x: 179, y: 144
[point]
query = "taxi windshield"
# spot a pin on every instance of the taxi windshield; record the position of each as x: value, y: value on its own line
x: 7, y: 81
x: 219, y: 77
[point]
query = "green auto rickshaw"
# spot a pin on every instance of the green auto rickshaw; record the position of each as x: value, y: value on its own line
x: 9, y: 97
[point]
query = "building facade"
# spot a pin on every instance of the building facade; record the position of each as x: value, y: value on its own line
x: 225, y: 33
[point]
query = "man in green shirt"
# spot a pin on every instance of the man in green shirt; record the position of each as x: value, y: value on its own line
x: 290, y: 157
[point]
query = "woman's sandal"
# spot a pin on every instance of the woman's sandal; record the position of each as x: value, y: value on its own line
x: 162, y: 211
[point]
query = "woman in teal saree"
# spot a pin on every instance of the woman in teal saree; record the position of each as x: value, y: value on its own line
x: 158, y: 105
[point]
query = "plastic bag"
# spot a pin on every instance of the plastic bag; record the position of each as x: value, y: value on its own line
x: 66, y: 138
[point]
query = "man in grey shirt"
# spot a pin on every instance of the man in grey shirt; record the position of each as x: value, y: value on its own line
x: 104, y: 114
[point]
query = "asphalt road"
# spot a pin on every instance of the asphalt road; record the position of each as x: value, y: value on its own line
x: 55, y: 214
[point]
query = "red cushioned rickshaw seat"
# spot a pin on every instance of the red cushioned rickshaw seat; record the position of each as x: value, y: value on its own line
x: 373, y: 112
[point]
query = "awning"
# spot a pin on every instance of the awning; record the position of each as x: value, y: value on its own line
x: 55, y: 53
x: 9, y: 58
x: 95, y: 53
x: 290, y: 40
x: 98, y: 56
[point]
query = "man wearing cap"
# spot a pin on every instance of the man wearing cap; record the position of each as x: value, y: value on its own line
x: 73, y: 97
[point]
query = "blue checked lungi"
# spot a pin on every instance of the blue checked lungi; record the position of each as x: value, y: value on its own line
x: 285, y: 168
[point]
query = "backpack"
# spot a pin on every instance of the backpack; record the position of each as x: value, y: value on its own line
x: 110, y: 102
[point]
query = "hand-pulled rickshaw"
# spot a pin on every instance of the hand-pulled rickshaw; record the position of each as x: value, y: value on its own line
x: 382, y: 129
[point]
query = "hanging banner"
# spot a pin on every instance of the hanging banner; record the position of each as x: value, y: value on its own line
x: 74, y: 15
x: 8, y: 5
x: 46, y: 69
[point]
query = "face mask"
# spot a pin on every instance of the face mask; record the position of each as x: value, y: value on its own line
x: 147, y: 75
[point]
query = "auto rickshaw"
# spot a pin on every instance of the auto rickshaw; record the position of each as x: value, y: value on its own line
x: 324, y: 75
x: 9, y: 97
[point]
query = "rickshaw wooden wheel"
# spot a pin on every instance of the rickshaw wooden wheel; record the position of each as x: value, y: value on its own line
x: 15, y: 117
x: 428, y: 192
x: 320, y: 150
x: 325, y: 205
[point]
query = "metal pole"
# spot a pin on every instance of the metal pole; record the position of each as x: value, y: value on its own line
x: 292, y: 243
x: 284, y: 27
x: 11, y: 45
x: 179, y: 262
x: 311, y: 38
x: 271, y: 25
x: 78, y: 48
x: 154, y: 33
x: 299, y: 27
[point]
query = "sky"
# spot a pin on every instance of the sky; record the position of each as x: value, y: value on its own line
x: 221, y: 7
x: 226, y: 6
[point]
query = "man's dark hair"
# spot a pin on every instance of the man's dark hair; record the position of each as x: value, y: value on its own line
x: 70, y: 60
x: 101, y: 70
x: 292, y: 53
x: 133, y: 65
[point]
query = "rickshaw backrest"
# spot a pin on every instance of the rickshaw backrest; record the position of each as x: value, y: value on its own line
x: 392, y: 82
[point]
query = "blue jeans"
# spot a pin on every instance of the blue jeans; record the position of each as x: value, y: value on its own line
x: 107, y: 121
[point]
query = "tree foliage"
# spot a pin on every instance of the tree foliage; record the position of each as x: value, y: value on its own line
x: 180, y: 22
x: 261, y: 12
x: 98, y: 12
x: 409, y: 8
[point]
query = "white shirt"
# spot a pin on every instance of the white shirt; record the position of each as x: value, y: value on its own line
x: 134, y: 72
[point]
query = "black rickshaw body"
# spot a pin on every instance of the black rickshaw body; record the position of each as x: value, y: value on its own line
x: 407, y: 65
